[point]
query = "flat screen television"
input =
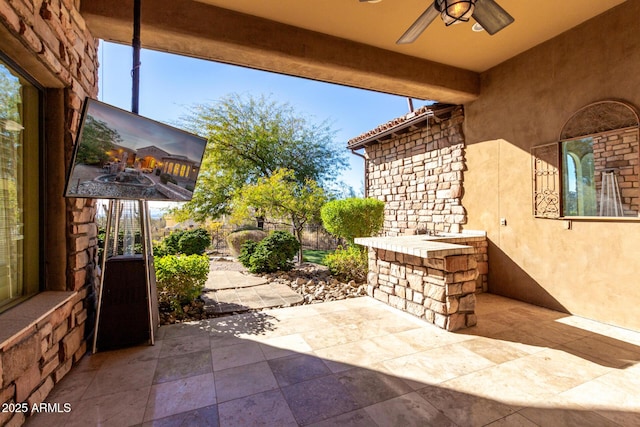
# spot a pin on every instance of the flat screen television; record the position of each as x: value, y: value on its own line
x: 121, y: 155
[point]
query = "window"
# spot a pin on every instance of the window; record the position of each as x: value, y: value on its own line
x: 19, y: 186
x: 599, y: 166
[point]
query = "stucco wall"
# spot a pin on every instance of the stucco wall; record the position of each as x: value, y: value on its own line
x: 592, y: 269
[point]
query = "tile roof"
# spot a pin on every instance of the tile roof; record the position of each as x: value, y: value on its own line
x: 397, y: 124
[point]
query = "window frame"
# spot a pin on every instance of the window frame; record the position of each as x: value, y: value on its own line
x: 35, y: 285
x: 555, y: 168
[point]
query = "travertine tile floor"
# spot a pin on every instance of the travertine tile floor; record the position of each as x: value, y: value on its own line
x: 360, y: 363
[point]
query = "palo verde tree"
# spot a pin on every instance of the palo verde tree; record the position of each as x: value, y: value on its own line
x: 250, y: 138
x: 280, y: 196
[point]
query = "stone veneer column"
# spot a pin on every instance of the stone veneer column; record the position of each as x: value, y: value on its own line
x: 50, y: 41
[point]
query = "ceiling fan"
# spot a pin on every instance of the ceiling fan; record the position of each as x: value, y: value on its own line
x: 487, y: 13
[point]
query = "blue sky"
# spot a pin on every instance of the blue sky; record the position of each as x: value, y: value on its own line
x: 169, y: 84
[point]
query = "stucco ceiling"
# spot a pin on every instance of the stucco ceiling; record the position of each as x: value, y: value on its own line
x: 342, y: 41
x: 381, y: 24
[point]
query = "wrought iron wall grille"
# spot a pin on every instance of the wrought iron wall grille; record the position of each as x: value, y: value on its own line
x: 546, y: 181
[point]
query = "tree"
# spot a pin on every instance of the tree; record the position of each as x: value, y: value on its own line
x: 281, y: 196
x: 250, y: 138
x: 97, y: 139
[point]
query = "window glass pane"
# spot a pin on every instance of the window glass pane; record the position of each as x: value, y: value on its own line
x: 17, y: 103
x: 601, y: 175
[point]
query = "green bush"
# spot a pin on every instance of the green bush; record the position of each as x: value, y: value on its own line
x: 187, y: 242
x: 273, y: 253
x: 348, y: 264
x: 180, y: 279
x: 354, y: 217
x: 194, y: 241
x: 236, y: 239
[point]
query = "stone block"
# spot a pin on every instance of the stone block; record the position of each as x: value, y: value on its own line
x: 437, y: 263
x: 464, y: 276
x: 372, y: 278
x: 470, y: 286
x: 41, y: 393
x: 435, y: 273
x: 429, y: 315
x: 387, y: 289
x: 80, y: 318
x: 456, y: 322
x: 434, y: 281
x: 81, y: 352
x: 435, y: 292
x: 71, y: 343
x: 452, y: 304
x: 7, y: 394
x: 471, y: 319
x: 483, y: 267
x: 413, y: 260
x: 397, y: 302
x: 62, y: 370
x: 400, y: 291
x: 440, y: 321
x: 381, y: 296
x: 454, y: 289
x: 468, y: 303
x: 415, y: 282
x: 436, y: 306
x: 60, y: 331
x: 415, y: 309
x: 456, y: 263
x: 418, y: 298
x: 19, y: 358
x: 27, y: 382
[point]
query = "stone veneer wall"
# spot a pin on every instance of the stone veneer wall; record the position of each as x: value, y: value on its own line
x: 54, y: 43
x: 619, y: 150
x: 419, y: 176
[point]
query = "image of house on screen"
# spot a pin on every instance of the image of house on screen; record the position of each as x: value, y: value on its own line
x: 120, y: 155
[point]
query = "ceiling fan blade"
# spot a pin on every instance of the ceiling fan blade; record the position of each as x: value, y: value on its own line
x: 491, y: 16
x: 419, y: 26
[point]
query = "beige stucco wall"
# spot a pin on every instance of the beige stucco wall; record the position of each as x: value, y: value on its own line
x: 593, y: 269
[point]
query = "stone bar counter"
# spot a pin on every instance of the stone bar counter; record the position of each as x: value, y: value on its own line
x: 432, y: 277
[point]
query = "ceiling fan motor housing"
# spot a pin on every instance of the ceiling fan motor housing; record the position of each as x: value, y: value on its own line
x: 455, y: 11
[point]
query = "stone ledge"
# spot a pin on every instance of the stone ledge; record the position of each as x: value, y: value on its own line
x: 422, y: 246
x: 23, y: 317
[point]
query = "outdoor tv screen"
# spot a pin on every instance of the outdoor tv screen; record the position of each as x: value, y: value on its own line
x: 121, y: 155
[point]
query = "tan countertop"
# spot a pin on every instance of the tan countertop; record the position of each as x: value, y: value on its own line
x: 425, y: 246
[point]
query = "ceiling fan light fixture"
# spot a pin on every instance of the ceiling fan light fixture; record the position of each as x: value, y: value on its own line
x: 455, y: 11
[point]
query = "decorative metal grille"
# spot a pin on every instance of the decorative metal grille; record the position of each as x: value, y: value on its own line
x: 546, y: 181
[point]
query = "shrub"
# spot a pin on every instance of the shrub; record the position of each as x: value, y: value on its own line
x: 354, y: 217
x: 236, y: 239
x: 180, y: 279
x: 351, y: 263
x: 274, y: 252
x: 194, y: 241
x: 187, y: 242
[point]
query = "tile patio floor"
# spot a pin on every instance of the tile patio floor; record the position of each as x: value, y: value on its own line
x: 360, y: 363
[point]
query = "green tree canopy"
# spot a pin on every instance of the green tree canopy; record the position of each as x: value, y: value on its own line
x: 251, y: 138
x: 97, y: 139
x: 280, y: 196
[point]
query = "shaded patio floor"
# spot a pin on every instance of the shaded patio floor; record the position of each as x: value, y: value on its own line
x: 358, y: 362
